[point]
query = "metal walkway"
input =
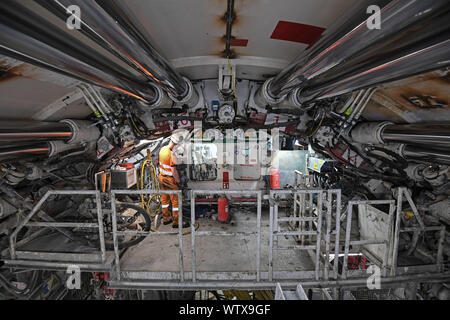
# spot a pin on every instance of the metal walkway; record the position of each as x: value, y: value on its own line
x: 317, y: 231
x: 316, y: 225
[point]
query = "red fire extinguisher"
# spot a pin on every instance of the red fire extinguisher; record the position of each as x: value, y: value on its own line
x: 274, y: 178
x: 223, y: 212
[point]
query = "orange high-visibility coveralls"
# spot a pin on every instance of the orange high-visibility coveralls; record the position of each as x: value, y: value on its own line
x: 167, y: 182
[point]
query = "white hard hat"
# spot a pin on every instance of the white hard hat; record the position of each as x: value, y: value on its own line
x: 175, y: 139
x: 178, y: 136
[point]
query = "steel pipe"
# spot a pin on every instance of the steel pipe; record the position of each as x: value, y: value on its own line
x: 399, y: 44
x: 429, y: 155
x: 11, y: 131
x: 28, y: 138
x: 26, y: 36
x: 108, y: 24
x: 350, y: 42
x: 434, y: 135
x: 24, y: 152
x: 71, y: 131
x: 427, y: 57
x: 414, y: 142
x: 228, y: 36
x: 330, y: 50
x: 47, y: 149
x: 437, y: 135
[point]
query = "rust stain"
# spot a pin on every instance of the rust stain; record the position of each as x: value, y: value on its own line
x: 222, y: 54
x: 221, y: 41
x: 7, y: 73
x: 4, y: 66
x: 433, y: 93
x: 221, y: 20
x: 426, y: 96
x: 440, y: 76
x: 232, y: 54
x: 424, y: 101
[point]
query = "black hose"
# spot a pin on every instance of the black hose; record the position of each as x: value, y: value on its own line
x: 371, y: 174
x: 285, y: 111
x: 349, y: 145
x: 389, y: 163
x: 273, y: 125
x: 402, y: 163
x: 159, y: 111
x: 176, y: 118
x: 10, y: 288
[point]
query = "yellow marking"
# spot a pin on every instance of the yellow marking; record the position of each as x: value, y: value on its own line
x: 408, y: 213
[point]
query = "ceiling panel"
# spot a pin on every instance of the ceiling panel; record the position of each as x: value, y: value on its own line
x: 181, y: 28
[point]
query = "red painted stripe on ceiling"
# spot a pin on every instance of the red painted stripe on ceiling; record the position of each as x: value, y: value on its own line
x: 238, y: 42
x: 296, y: 32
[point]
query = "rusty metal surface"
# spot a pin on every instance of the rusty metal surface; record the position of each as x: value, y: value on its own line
x: 420, y: 99
x: 25, y: 89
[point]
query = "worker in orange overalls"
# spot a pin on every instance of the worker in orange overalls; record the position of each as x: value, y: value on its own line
x: 168, y: 180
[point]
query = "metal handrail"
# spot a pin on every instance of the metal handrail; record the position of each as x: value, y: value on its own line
x: 116, y: 232
x: 388, y: 244
x: 36, y: 208
x: 258, y: 223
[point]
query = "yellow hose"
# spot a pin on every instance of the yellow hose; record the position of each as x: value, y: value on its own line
x: 146, y: 205
x: 154, y: 177
x: 232, y: 79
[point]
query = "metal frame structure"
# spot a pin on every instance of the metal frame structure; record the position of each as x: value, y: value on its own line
x: 388, y: 244
x: 321, y: 276
x: 300, y: 215
x: 117, y: 274
x: 194, y: 233
x: 58, y: 260
x: 274, y: 220
x: 304, y: 213
x: 439, y: 256
x: 267, y: 280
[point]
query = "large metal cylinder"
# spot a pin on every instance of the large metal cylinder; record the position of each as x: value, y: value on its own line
x: 23, y: 139
x: 71, y: 131
x: 430, y: 135
x: 108, y: 24
x: 423, y: 58
x: 82, y: 131
x: 40, y: 149
x: 43, y: 149
x: 424, y: 154
x: 26, y: 36
x: 369, y: 132
x: 350, y: 43
x: 34, y: 131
